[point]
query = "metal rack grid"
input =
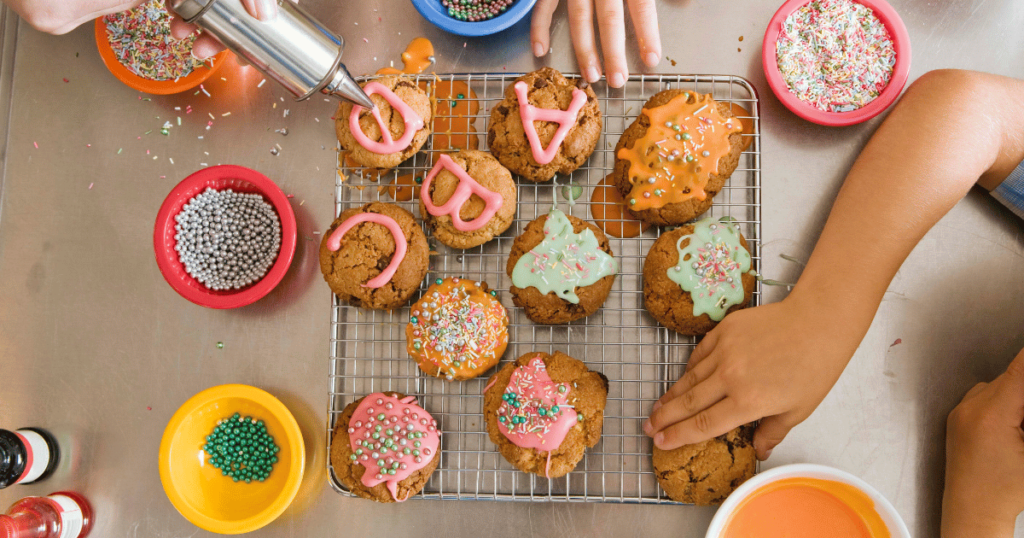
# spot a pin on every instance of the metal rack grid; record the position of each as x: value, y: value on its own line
x: 640, y: 358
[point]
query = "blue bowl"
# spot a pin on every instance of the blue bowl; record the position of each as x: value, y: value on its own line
x: 437, y: 14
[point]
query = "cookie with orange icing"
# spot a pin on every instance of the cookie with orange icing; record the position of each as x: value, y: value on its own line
x: 385, y: 447
x: 546, y: 125
x: 543, y: 412
x: 382, y: 138
x: 457, y: 330
x: 676, y: 156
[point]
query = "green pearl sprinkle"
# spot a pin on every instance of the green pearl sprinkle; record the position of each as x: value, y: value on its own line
x: 438, y: 281
x: 237, y: 447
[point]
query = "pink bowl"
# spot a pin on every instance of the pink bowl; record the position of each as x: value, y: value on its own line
x: 900, y: 41
x: 222, y: 177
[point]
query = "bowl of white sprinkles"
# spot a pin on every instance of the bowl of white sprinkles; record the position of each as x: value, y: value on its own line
x: 225, y: 236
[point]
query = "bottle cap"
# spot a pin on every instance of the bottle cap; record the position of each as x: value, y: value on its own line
x: 7, y: 528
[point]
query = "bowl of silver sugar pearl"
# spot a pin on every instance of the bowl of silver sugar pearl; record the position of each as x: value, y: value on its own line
x: 225, y: 236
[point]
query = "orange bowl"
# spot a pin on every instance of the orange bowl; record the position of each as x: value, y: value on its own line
x: 155, y: 87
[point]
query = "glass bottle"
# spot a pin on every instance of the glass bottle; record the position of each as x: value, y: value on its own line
x: 59, y: 515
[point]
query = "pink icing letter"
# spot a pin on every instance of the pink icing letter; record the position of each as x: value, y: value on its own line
x: 565, y: 120
x: 413, y: 122
x: 334, y: 243
x: 467, y: 187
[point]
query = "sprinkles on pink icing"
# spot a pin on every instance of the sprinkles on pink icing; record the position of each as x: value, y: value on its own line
x: 413, y: 122
x: 564, y: 118
x: 534, y: 412
x: 392, y: 439
x: 467, y: 188
x: 401, y: 245
x: 835, y: 54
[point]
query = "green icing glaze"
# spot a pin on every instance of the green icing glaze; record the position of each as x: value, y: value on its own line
x: 563, y: 261
x: 711, y: 267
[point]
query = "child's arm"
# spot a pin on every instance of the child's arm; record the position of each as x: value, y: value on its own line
x: 777, y: 362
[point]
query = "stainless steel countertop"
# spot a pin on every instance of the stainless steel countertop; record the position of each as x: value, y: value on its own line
x: 97, y: 348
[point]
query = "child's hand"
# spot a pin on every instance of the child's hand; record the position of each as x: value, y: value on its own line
x: 775, y: 362
x: 611, y: 22
x: 985, y: 458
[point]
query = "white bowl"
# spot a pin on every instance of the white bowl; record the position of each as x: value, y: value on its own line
x: 890, y: 517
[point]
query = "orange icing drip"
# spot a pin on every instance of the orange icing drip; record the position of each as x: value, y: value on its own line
x: 609, y: 212
x: 416, y: 58
x: 680, y: 161
x: 405, y: 188
x: 453, y: 125
x: 743, y: 115
x: 806, y: 508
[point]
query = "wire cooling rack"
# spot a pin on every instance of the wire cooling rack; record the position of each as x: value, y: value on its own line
x: 640, y: 358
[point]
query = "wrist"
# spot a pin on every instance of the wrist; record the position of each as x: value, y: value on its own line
x: 964, y: 525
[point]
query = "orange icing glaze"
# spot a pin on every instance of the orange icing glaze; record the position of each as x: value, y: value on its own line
x: 686, y: 138
x: 608, y: 210
x: 743, y: 115
x: 453, y: 125
x: 806, y: 508
x: 405, y: 188
x: 416, y: 58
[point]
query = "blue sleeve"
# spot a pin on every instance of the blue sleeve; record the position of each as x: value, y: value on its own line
x: 1011, y: 191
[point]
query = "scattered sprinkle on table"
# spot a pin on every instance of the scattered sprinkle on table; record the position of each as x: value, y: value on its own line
x: 141, y: 41
x: 242, y: 449
x: 835, y: 55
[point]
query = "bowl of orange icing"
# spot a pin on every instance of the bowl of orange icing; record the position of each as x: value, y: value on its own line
x: 806, y: 501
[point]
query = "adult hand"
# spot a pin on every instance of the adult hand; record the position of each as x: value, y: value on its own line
x: 775, y: 362
x: 611, y: 22
x: 206, y: 45
x: 985, y: 458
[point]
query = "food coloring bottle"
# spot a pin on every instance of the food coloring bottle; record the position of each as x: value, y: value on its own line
x: 58, y: 515
x: 27, y: 455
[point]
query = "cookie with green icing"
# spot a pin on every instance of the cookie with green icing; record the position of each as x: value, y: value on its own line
x: 562, y: 269
x: 697, y: 274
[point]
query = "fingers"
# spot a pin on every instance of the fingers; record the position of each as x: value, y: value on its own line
x: 1010, y: 389
x: 648, y: 37
x: 689, y: 404
x: 206, y: 46
x: 719, y: 419
x: 540, y: 26
x: 770, y: 432
x: 263, y: 10
x: 581, y: 28
x: 703, y: 349
x: 179, y: 28
x: 612, y: 24
x: 690, y: 379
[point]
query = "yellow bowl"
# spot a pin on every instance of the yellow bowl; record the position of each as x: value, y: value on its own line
x: 199, y: 492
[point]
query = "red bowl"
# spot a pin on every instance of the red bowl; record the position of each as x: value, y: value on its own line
x: 900, y: 40
x: 240, y: 179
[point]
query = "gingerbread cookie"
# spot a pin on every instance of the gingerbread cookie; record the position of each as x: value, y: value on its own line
x: 543, y: 411
x: 698, y: 273
x: 458, y: 329
x: 385, y: 447
x: 546, y: 125
x: 374, y: 256
x: 382, y: 138
x: 467, y: 199
x: 676, y: 156
x: 562, y: 269
x: 706, y: 473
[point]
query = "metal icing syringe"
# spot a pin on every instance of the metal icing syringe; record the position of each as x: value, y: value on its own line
x: 293, y: 48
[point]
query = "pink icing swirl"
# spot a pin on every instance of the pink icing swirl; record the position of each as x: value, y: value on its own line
x: 407, y: 439
x: 401, y: 245
x: 564, y: 118
x: 413, y: 122
x: 535, y: 412
x: 467, y: 187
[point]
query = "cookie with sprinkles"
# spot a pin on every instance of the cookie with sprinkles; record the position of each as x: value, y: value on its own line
x: 676, y: 156
x: 562, y: 269
x: 385, y: 447
x: 457, y: 330
x: 543, y: 412
x: 697, y: 274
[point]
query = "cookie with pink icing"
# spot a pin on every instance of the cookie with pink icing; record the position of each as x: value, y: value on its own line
x: 467, y: 198
x: 382, y: 138
x: 545, y: 125
x: 385, y: 446
x: 543, y: 411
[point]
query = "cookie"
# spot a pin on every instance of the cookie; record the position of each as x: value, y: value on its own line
x: 713, y: 279
x: 467, y: 199
x: 562, y: 269
x: 379, y: 466
x: 458, y: 329
x: 374, y: 256
x: 554, y: 133
x: 403, y: 126
x: 706, y: 473
x: 676, y: 156
x: 543, y: 411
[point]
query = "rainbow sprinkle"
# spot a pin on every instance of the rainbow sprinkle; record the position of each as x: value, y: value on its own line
x: 835, y: 55
x: 141, y: 40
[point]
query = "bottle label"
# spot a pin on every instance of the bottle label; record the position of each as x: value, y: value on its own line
x: 37, y: 456
x: 71, y: 518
